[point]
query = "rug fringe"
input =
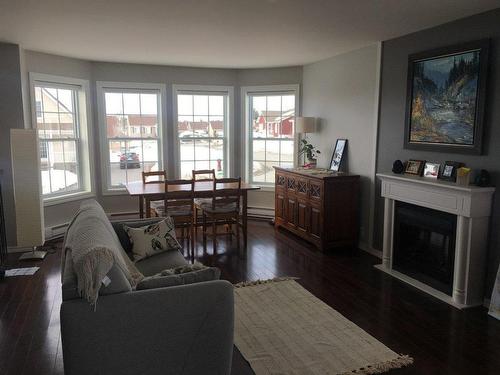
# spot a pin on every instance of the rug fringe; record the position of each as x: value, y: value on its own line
x: 259, y: 282
x: 379, y: 368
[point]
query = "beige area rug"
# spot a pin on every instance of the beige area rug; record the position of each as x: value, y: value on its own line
x: 281, y: 328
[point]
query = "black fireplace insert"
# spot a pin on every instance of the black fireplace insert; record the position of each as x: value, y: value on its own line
x: 424, y: 245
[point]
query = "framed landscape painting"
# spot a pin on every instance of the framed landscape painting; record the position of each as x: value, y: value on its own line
x: 445, y: 98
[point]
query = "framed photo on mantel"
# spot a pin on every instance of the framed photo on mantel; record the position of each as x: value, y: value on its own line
x: 445, y: 98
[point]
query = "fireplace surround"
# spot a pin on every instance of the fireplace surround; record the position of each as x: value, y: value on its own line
x: 435, y: 236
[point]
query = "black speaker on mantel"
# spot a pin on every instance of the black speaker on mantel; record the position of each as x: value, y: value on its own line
x: 398, y: 167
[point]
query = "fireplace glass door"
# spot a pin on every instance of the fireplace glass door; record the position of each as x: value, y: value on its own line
x: 424, y: 245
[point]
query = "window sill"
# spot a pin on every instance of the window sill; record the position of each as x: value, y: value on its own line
x: 269, y: 188
x: 117, y: 191
x: 52, y: 201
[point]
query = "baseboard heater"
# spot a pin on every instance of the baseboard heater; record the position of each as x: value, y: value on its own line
x: 56, y: 231
x: 260, y: 213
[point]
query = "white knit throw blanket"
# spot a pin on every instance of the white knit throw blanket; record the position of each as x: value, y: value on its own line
x: 95, y: 249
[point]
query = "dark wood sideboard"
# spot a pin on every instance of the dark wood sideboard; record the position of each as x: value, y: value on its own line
x: 318, y: 205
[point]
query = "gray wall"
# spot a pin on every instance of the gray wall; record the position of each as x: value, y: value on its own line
x: 169, y: 75
x: 342, y: 92
x: 392, y: 111
x: 11, y: 116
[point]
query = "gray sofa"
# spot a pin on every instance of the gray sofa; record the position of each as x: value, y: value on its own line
x: 185, y: 329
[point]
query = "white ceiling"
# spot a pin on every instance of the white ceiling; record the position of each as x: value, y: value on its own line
x: 219, y: 33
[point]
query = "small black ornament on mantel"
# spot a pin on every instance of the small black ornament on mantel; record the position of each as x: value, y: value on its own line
x: 483, y: 178
x: 398, y: 167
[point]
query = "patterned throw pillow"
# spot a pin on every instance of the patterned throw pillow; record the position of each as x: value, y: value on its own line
x: 152, y: 239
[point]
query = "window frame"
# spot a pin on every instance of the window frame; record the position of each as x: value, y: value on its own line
x: 106, y: 86
x: 229, y: 139
x: 247, y: 160
x: 84, y: 128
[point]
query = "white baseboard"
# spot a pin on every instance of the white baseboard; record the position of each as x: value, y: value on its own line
x: 370, y: 250
x: 486, y: 303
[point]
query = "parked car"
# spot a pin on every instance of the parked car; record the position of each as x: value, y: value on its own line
x: 129, y: 160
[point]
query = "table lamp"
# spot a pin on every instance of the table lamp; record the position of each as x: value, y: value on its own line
x: 304, y: 125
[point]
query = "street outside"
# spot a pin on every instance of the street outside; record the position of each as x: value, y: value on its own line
x: 207, y: 154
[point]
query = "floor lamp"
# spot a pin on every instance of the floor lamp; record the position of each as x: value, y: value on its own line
x: 30, y: 226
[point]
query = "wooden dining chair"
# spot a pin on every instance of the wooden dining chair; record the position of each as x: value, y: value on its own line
x: 153, y: 177
x: 201, y: 175
x: 222, y: 209
x: 178, y: 203
x: 204, y: 175
x: 161, y: 176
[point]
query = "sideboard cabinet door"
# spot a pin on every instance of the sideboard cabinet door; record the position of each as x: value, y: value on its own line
x: 318, y: 207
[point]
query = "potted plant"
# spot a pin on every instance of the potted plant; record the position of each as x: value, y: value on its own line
x: 310, y: 153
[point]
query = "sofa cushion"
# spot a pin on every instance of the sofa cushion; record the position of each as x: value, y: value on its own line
x: 160, y: 262
x: 152, y: 239
x: 171, y: 277
x: 219, y: 207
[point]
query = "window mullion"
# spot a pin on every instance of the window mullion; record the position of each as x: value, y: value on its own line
x: 280, y: 130
x: 49, y: 146
x: 76, y: 142
x: 64, y: 164
x: 208, y: 125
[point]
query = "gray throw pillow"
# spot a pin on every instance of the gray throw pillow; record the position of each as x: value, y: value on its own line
x: 188, y: 274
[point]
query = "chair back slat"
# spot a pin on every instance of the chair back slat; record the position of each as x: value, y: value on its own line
x: 203, y: 175
x: 179, y: 193
x: 161, y: 176
x: 226, y: 191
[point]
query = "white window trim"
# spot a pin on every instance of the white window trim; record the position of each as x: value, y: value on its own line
x: 228, y: 131
x: 101, y: 86
x: 86, y: 136
x: 246, y: 126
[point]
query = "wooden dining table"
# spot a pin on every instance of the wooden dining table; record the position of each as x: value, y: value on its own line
x: 202, y: 189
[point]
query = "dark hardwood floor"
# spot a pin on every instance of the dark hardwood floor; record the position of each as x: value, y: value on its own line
x: 440, y: 338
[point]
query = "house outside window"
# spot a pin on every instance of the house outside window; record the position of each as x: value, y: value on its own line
x: 60, y: 116
x: 270, y: 124
x: 203, y: 116
x: 131, y: 130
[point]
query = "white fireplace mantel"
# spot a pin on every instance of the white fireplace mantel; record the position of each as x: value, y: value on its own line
x: 472, y: 206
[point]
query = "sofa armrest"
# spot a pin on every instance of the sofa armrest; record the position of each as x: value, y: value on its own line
x: 185, y: 329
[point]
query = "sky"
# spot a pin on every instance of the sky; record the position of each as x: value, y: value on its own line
x: 442, y: 66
